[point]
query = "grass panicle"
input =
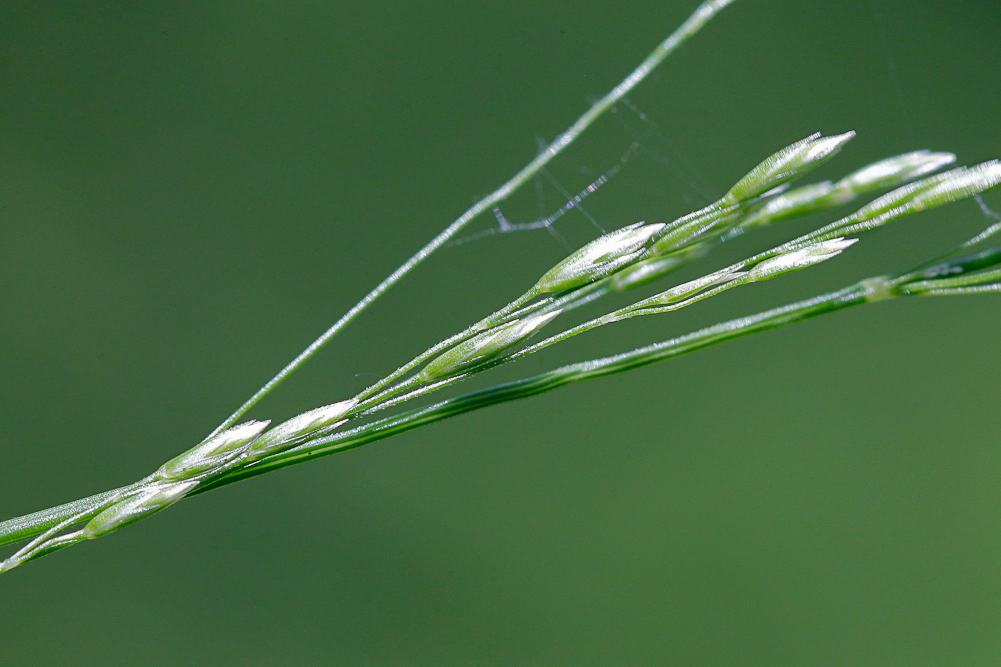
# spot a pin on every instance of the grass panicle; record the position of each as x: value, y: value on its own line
x: 626, y: 259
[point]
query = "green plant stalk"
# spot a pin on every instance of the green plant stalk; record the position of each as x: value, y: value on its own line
x: 702, y: 15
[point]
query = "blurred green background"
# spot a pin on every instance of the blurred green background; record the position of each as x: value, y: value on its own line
x: 191, y: 191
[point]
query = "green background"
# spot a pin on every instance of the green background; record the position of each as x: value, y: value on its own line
x: 191, y: 191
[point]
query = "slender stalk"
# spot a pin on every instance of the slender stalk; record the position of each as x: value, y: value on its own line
x: 706, y: 11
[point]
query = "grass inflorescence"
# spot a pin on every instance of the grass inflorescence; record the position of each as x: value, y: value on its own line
x: 617, y: 262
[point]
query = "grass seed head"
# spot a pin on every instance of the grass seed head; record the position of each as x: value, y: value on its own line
x: 309, y: 422
x: 693, y: 287
x: 212, y: 452
x: 895, y: 171
x: 799, y: 201
x: 646, y: 271
x: 797, y: 259
x: 688, y: 230
x: 149, y: 500
x: 938, y: 190
x: 599, y: 258
x: 484, y: 346
x: 787, y: 164
x: 965, y: 184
